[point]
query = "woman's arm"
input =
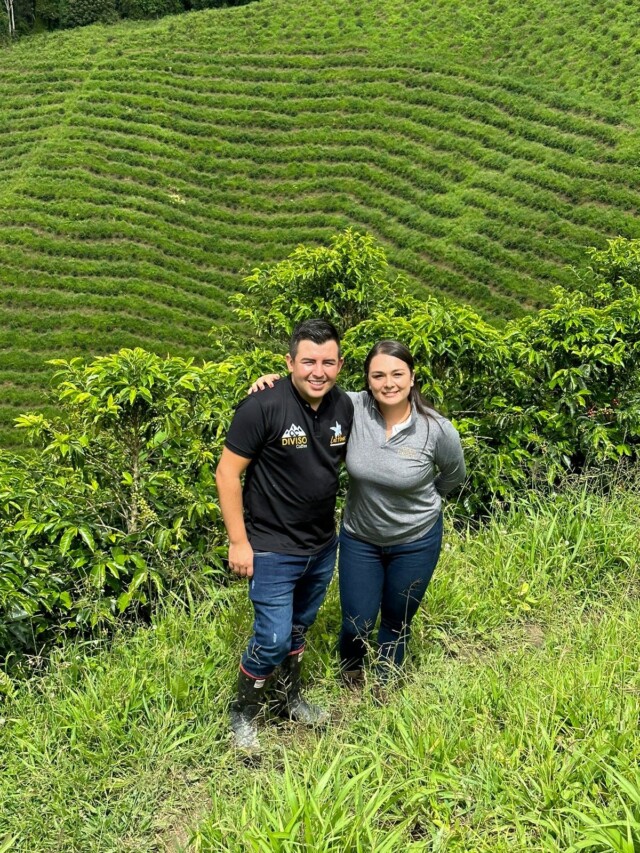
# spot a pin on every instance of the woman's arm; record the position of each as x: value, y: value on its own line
x: 450, y: 460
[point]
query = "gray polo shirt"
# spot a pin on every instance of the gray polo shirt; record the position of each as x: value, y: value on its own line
x: 396, y: 486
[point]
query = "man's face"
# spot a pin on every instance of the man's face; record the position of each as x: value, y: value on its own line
x: 314, y: 370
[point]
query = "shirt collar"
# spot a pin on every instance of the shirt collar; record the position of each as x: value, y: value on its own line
x: 405, y: 424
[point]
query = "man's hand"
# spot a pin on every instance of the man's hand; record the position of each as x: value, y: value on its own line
x: 263, y: 382
x: 241, y: 559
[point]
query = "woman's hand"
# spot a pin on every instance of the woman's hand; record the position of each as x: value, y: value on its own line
x: 263, y: 382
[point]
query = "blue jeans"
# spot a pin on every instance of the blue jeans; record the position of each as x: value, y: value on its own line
x: 286, y: 592
x: 389, y: 580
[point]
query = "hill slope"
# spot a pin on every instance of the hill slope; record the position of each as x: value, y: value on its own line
x: 146, y: 167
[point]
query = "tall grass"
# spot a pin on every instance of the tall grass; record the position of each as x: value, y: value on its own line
x: 516, y: 728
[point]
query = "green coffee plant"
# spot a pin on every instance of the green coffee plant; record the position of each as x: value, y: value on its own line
x: 550, y: 394
x: 620, y: 261
x: 343, y: 282
x: 118, y: 503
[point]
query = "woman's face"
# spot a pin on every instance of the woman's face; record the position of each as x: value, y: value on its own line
x: 390, y: 380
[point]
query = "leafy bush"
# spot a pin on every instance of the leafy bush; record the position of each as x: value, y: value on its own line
x: 34, y: 581
x: 343, y: 282
x: 148, y: 8
x: 79, y: 13
x: 620, y: 261
x: 48, y: 12
x: 548, y: 395
x: 118, y: 503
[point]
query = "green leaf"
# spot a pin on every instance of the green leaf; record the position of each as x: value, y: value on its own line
x: 86, y: 535
x: 158, y: 439
x: 119, y: 556
x: 139, y: 577
x: 124, y: 600
x: 98, y: 575
x: 65, y: 600
x: 67, y: 538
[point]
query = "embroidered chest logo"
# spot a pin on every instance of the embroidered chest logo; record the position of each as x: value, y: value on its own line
x: 295, y: 436
x: 408, y: 453
x: 337, y: 437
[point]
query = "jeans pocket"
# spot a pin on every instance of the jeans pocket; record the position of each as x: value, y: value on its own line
x: 263, y: 553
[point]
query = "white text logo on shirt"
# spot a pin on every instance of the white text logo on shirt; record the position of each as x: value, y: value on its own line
x: 337, y: 437
x: 295, y: 436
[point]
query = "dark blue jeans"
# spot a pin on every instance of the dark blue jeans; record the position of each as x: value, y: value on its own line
x: 286, y: 592
x: 390, y: 581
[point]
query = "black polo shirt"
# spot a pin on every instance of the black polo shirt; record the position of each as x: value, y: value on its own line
x: 291, y: 483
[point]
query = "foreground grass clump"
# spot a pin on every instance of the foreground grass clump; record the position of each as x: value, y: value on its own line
x: 516, y: 728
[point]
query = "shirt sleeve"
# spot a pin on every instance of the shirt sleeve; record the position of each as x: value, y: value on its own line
x: 247, y: 434
x: 449, y: 459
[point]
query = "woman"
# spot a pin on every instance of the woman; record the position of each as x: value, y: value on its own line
x: 402, y: 458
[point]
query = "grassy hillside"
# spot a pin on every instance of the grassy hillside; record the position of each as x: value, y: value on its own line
x: 145, y: 167
x: 517, y: 725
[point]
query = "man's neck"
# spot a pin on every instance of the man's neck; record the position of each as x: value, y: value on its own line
x: 314, y: 403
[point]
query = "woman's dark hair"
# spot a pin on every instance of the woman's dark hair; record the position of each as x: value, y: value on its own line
x: 399, y: 350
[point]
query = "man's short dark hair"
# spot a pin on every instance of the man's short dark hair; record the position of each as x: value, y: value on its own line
x: 316, y: 330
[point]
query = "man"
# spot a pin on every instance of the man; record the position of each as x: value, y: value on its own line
x: 290, y: 440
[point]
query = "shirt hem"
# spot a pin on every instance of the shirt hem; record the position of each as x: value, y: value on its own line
x: 388, y: 543
x: 299, y: 552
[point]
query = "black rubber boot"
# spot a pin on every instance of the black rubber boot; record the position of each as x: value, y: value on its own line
x: 292, y: 703
x: 244, y: 712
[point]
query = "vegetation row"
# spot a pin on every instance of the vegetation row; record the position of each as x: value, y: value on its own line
x: 116, y: 506
x: 147, y: 166
x: 587, y: 47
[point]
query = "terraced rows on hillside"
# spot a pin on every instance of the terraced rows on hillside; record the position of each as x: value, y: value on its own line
x: 145, y: 168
